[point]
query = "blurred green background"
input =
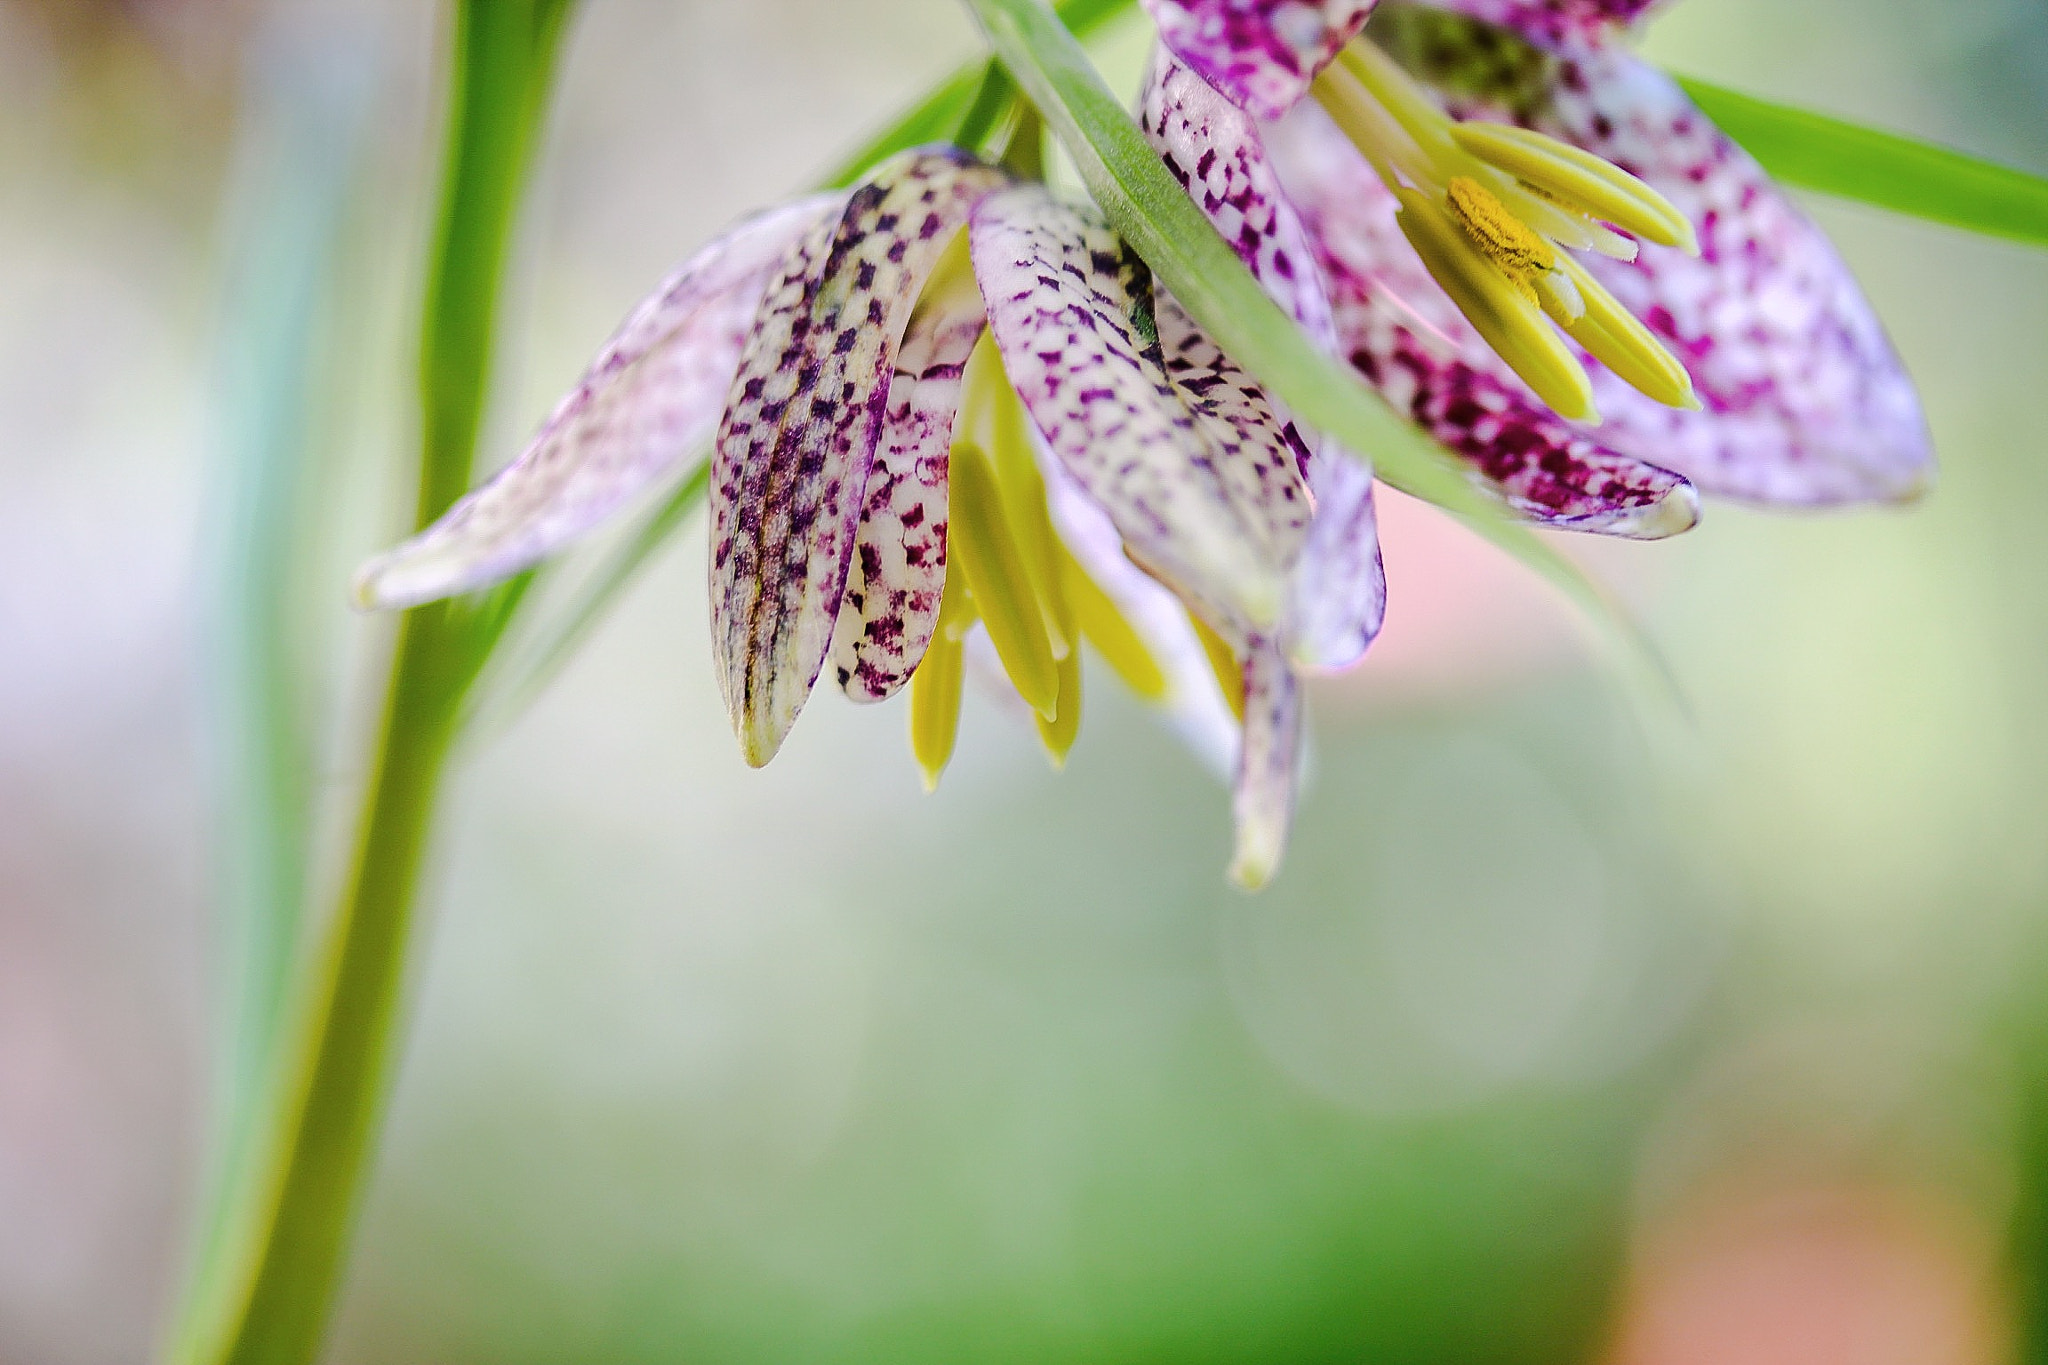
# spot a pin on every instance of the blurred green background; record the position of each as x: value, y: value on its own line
x: 1559, y: 1039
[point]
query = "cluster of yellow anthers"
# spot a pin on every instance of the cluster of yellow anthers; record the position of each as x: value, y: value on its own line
x: 1487, y: 207
x: 1008, y: 568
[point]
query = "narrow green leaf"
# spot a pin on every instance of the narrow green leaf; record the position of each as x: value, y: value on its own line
x: 1834, y: 156
x: 268, y: 1282
x: 1154, y: 214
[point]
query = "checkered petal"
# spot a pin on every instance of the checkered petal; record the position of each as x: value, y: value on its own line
x: 1156, y: 424
x: 1214, y: 149
x: 898, y: 573
x: 650, y: 397
x: 1262, y: 54
x: 807, y: 408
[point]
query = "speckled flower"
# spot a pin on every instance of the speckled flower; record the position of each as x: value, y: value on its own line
x: 1460, y: 176
x: 884, y: 481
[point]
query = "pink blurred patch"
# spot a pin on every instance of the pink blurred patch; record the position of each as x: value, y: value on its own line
x: 1464, y: 617
x: 1816, y: 1276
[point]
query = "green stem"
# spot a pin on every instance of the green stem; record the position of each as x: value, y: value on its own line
x: 267, y: 1288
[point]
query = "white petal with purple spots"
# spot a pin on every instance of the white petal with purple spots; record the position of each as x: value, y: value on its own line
x: 1214, y: 150
x: 1195, y: 469
x: 805, y: 412
x: 652, y: 394
x: 1262, y: 54
x: 1268, y: 762
x: 898, y: 573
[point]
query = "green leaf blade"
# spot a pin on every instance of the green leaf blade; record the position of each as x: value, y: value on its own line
x: 1901, y: 174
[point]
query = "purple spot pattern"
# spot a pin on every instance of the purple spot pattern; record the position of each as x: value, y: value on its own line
x: 651, y: 395
x: 1555, y: 20
x: 1406, y: 337
x: 1262, y: 54
x: 898, y: 572
x: 806, y: 409
x: 1806, y: 403
x: 1162, y: 430
x: 1214, y: 150
x: 1263, y: 803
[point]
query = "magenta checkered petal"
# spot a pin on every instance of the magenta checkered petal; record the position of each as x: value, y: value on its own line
x: 1554, y: 20
x: 1155, y: 424
x: 807, y: 409
x: 1411, y: 343
x: 898, y: 573
x: 653, y: 393
x: 1268, y: 762
x: 1262, y: 54
x: 1214, y: 149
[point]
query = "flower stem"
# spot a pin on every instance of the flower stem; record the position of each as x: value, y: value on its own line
x: 266, y: 1283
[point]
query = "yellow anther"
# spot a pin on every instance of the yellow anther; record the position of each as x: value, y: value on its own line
x: 1110, y: 631
x: 1501, y: 237
x: 1058, y: 733
x: 1223, y: 663
x: 1579, y: 180
x: 1619, y: 340
x: 935, y: 686
x: 983, y: 549
x: 1503, y: 314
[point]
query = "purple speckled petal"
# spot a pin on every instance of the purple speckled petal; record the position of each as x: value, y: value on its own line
x: 1262, y: 54
x: 805, y: 412
x: 1553, y: 20
x: 1412, y: 344
x: 1805, y: 401
x: 1196, y: 471
x: 898, y: 573
x: 1214, y: 149
x: 652, y: 394
x: 1340, y: 585
x: 1267, y: 762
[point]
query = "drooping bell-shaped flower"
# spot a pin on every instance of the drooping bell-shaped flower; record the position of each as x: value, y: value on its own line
x: 1475, y: 176
x: 894, y: 376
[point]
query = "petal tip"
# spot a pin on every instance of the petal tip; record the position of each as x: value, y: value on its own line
x: 1914, y: 488
x: 1254, y: 865
x: 362, y: 589
x: 760, y: 741
x: 1673, y: 514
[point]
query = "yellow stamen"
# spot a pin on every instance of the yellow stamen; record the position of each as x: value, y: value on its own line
x: 1502, y: 313
x: 1023, y: 493
x: 1057, y: 734
x: 1368, y: 125
x: 1223, y: 663
x: 1501, y: 237
x: 1112, y: 634
x: 983, y: 549
x: 935, y: 686
x: 1397, y: 91
x: 1619, y: 340
x: 1579, y: 180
